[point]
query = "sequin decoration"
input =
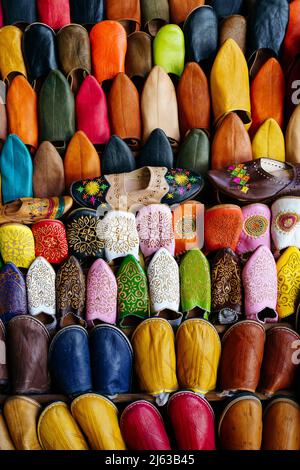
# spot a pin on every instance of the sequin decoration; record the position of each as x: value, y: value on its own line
x: 286, y: 221
x: 256, y: 226
x: 240, y: 176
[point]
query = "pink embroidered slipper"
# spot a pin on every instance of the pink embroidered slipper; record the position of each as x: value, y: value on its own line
x: 260, y: 286
x: 256, y: 228
x: 102, y: 291
x: 154, y: 226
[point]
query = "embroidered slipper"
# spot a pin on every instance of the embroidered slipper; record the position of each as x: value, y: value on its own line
x: 260, y: 286
x: 41, y: 295
x: 148, y: 185
x: 50, y: 241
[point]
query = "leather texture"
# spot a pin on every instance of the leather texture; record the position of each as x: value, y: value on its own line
x: 281, y: 425
x: 194, y: 152
x: 260, y: 286
x: 56, y: 110
x: 268, y: 142
x: 92, y: 112
x: 17, y: 245
x: 50, y: 240
x: 288, y: 282
x: 5, y: 441
x: 228, y: 8
x: 69, y: 361
x: 169, y: 49
x: 231, y: 143
x: 30, y: 210
x: 70, y: 290
x: 193, y: 99
x: 234, y: 27
x: 155, y: 229
x: 268, y: 24
x: 28, y: 364
x: 138, y: 61
x: 291, y: 43
x: 74, y: 54
x: 133, y: 300
x: 242, y: 356
x: 278, y: 369
x: 156, y: 372
x: 159, y: 106
x: 21, y: 415
x: 117, y: 157
x: 111, y: 360
x: 81, y: 159
x: 192, y: 419
x: 154, y: 185
x: 40, y: 284
x: 154, y: 15
x: 127, y: 13
x: 143, y: 428
x: 194, y: 274
x: 101, y: 294
x: 3, y: 116
x: 18, y: 12
x: 109, y: 44
x: 268, y: 95
x: 98, y: 418
x: 201, y: 34
x: 197, y: 338
x: 11, y: 60
x: 256, y: 228
x: 13, y: 293
x: 21, y: 100
x: 3, y: 361
x: 48, y: 172
x: 87, y: 12
x: 40, y: 53
x: 292, y: 141
x: 124, y: 111
x: 285, y: 227
x: 180, y: 9
x: 229, y: 82
x: 58, y: 430
x: 157, y: 151
x: 55, y: 13
x: 226, y: 288
x: 188, y: 225
x: 16, y: 170
x: 257, y: 181
x: 240, y: 425
x: 222, y: 227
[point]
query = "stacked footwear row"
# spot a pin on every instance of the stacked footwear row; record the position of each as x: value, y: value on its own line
x: 141, y: 276
x: 92, y: 422
x: 149, y: 224
x: 104, y: 360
